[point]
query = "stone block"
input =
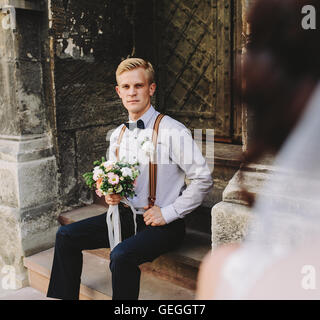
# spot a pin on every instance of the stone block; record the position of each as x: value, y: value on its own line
x: 9, y: 188
x: 8, y: 108
x: 38, y: 227
x: 25, y: 148
x: 11, y: 251
x: 10, y: 244
x: 229, y: 223
x: 28, y: 28
x: 250, y: 181
x: 81, y: 104
x: 91, y: 146
x: 37, y: 182
x: 68, y: 167
x: 21, y: 107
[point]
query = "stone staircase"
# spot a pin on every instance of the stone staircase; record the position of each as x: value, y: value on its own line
x: 172, y: 276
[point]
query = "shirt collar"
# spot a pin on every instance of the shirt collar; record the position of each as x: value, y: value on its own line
x: 147, y: 116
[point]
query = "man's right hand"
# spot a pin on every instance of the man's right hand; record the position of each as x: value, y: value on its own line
x: 113, y: 199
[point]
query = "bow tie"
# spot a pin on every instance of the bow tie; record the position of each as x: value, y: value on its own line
x: 132, y: 125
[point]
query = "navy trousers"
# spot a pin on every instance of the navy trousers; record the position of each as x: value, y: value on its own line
x: 148, y: 244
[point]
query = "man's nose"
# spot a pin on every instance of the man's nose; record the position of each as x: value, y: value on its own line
x: 132, y: 91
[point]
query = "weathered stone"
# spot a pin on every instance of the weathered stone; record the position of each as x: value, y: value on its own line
x: 8, y: 109
x: 91, y: 146
x: 68, y: 168
x: 229, y: 223
x: 29, y: 193
x: 28, y: 40
x: 250, y: 179
x: 21, y: 102
x: 11, y: 252
x: 9, y: 184
x: 25, y: 148
x: 38, y: 227
x: 40, y: 177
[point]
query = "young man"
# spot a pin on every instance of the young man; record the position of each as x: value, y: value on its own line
x: 160, y: 228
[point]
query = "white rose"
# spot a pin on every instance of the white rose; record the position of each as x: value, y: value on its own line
x: 126, y: 172
x: 97, y: 173
x: 148, y: 147
x: 108, y: 163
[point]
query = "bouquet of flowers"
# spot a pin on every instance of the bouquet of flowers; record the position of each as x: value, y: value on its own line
x: 110, y: 177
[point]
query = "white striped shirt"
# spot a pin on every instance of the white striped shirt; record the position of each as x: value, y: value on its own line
x: 178, y: 157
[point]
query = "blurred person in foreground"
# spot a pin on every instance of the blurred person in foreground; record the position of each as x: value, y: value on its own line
x: 280, y: 256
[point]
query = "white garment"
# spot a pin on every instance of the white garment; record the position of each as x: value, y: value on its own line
x: 286, y: 216
x: 178, y: 157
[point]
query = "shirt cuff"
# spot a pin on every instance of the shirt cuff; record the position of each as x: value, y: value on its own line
x: 169, y: 213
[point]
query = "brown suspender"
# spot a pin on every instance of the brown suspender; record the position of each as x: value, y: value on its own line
x: 152, y: 164
x: 119, y: 141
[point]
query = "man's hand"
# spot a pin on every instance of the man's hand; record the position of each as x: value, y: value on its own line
x: 113, y: 199
x: 153, y: 217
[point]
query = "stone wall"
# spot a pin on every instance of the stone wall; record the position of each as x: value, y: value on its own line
x: 57, y: 103
x: 89, y: 40
x: 28, y: 168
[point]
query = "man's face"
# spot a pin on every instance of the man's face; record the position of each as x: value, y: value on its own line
x: 135, y: 91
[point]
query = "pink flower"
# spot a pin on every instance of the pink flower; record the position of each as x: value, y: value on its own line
x: 113, y: 178
x: 108, y: 168
x: 98, y: 192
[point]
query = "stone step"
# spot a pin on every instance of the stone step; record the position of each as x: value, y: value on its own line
x: 96, y: 279
x: 26, y: 293
x: 180, y: 266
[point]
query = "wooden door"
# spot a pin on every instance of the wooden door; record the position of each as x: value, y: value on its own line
x: 197, y: 41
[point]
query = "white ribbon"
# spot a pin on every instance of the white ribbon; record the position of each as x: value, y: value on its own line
x: 114, y: 225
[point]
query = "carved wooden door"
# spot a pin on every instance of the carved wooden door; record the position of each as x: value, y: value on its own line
x: 196, y: 45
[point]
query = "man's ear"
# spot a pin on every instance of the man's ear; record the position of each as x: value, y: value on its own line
x: 153, y: 87
x: 118, y: 91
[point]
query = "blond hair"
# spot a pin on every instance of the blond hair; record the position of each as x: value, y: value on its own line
x: 133, y: 63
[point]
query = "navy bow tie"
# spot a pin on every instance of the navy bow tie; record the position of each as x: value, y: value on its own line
x: 132, y: 125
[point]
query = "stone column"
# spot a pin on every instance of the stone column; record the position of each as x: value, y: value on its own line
x: 231, y: 216
x: 28, y: 169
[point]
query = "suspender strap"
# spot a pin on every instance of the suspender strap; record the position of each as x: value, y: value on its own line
x: 119, y: 140
x: 152, y: 164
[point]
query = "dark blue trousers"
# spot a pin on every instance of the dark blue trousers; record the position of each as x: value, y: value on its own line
x: 148, y: 244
